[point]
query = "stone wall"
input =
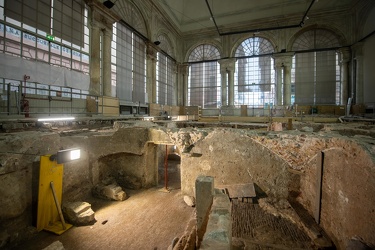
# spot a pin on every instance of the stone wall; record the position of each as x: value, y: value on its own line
x: 128, y: 154
x: 231, y: 157
x: 347, y: 199
x: 277, y: 162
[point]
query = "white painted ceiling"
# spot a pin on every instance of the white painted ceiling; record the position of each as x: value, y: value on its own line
x: 190, y: 15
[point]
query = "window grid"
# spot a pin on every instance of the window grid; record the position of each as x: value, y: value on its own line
x: 129, y: 65
x: 164, y: 80
x: 316, y: 76
x: 204, y: 84
x: 254, y: 75
x: 21, y: 39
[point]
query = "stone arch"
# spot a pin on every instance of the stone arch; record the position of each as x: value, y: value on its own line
x: 216, y: 44
x: 166, y: 43
x: 245, y: 37
x: 132, y: 15
x: 337, y: 33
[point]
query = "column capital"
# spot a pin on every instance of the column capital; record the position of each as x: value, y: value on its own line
x: 345, y: 54
x: 150, y: 52
x: 357, y: 49
x: 228, y: 64
x: 283, y: 59
x: 184, y: 68
x: 102, y: 13
x: 108, y: 32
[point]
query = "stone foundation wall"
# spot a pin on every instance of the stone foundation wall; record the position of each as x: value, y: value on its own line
x: 347, y: 201
x: 231, y: 157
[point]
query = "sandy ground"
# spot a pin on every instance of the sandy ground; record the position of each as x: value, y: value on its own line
x: 148, y: 219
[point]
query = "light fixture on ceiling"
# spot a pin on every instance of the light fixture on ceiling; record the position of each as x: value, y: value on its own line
x: 109, y: 4
x: 157, y: 43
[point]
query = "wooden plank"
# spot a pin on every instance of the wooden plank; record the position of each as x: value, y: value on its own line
x: 240, y: 190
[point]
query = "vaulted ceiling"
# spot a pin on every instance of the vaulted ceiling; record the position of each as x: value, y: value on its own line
x: 194, y: 15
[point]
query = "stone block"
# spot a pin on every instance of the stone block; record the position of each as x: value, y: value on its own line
x: 57, y: 245
x: 109, y: 191
x: 204, y: 191
x: 189, y: 200
x: 79, y: 213
x: 218, y: 233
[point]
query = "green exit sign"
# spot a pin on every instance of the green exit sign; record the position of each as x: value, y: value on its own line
x: 50, y: 37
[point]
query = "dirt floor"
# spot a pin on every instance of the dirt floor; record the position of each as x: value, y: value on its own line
x: 148, y: 219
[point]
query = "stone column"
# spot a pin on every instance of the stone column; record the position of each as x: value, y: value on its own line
x: 151, y: 74
x: 345, y: 58
x: 175, y: 100
x: 279, y: 85
x: 287, y: 83
x: 180, y: 87
x: 231, y: 65
x: 283, y: 63
x: 224, y: 85
x: 95, y: 59
x: 359, y: 92
x: 107, y: 72
x: 101, y: 21
x: 185, y: 75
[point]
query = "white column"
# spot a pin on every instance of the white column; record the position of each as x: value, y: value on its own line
x: 359, y: 91
x: 231, y: 65
x: 283, y: 64
x: 95, y: 59
x: 107, y: 72
x: 287, y: 84
x: 345, y: 58
x: 151, y: 74
x: 224, y: 87
x: 185, y: 74
x: 101, y: 21
x: 279, y: 85
x: 176, y: 99
x: 224, y: 82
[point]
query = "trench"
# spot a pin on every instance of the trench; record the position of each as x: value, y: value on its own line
x: 259, y: 229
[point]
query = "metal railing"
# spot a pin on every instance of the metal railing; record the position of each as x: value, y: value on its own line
x: 33, y: 99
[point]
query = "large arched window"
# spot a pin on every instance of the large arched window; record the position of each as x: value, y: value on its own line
x: 204, y: 77
x: 316, y: 70
x: 165, y: 80
x: 129, y: 57
x: 254, y: 74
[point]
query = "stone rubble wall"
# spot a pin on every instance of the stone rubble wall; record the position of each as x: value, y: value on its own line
x: 278, y: 163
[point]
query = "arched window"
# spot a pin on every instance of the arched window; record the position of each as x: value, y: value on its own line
x: 204, y: 77
x: 254, y: 74
x: 316, y: 70
x: 165, y: 80
x: 129, y: 65
x: 131, y: 15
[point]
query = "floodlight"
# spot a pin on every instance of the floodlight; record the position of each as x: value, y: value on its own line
x: 67, y: 155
